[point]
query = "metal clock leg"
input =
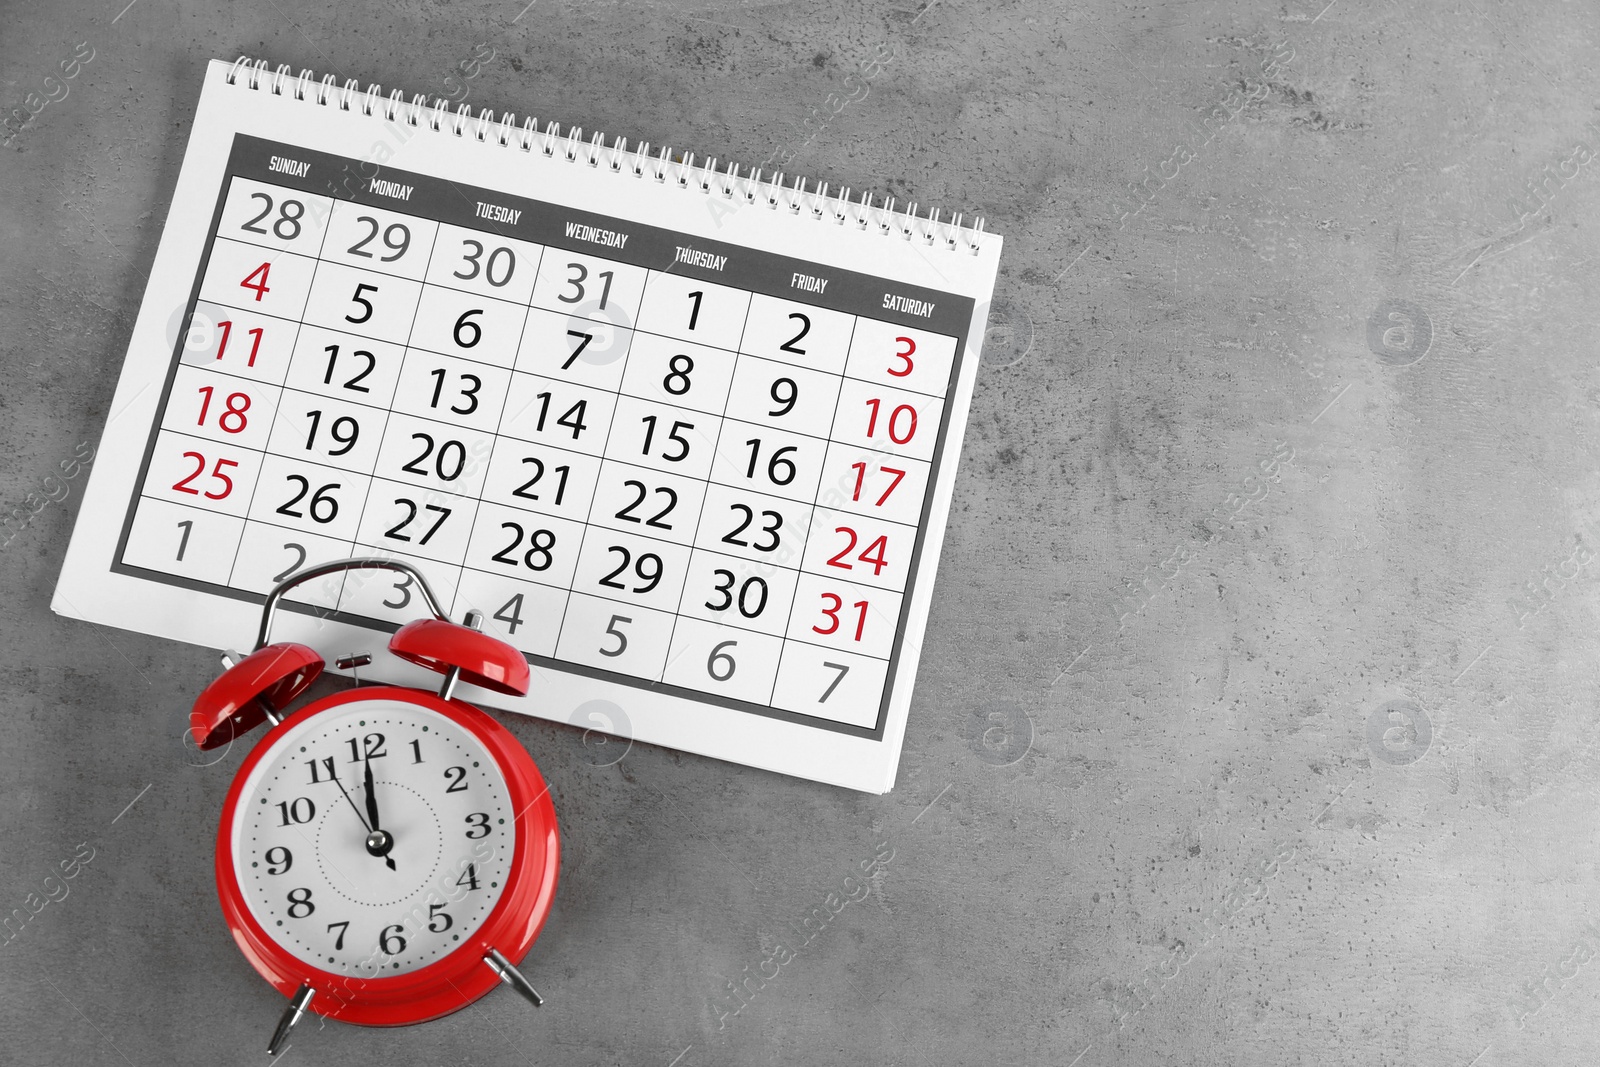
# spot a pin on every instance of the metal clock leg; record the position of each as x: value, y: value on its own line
x: 291, y: 1015
x: 512, y: 977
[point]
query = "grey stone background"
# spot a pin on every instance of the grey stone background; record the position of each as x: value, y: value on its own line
x: 1259, y: 713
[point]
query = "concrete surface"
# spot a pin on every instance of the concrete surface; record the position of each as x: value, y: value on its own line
x: 1259, y: 718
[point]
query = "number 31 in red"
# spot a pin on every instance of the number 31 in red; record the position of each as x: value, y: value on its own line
x: 833, y: 615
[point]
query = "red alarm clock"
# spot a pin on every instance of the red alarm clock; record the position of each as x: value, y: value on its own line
x: 387, y: 855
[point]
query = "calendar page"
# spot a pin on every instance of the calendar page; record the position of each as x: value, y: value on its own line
x: 688, y: 449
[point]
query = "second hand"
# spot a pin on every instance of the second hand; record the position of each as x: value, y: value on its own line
x: 372, y: 834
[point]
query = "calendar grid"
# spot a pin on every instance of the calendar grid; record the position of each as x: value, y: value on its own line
x: 780, y: 665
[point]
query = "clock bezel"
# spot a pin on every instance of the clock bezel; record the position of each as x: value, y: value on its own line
x: 459, y: 978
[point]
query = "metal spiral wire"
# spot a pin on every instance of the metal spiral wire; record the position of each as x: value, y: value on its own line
x: 775, y: 191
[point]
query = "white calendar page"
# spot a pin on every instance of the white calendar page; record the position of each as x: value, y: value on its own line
x: 691, y: 455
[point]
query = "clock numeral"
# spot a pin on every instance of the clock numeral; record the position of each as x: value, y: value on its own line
x: 458, y: 779
x: 279, y: 860
x: 469, y: 877
x: 416, y: 751
x: 318, y: 766
x: 291, y: 811
x: 436, y: 912
x: 300, y: 898
x: 478, y: 821
x: 371, y: 748
x: 339, y: 944
x: 390, y: 940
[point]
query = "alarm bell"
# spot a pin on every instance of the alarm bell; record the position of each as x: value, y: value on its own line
x: 259, y: 686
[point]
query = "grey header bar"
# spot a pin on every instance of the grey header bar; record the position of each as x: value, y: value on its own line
x: 567, y: 228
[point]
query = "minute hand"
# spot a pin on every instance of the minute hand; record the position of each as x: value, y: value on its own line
x: 380, y: 841
x: 372, y: 798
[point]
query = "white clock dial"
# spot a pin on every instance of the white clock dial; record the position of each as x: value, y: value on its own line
x: 301, y: 838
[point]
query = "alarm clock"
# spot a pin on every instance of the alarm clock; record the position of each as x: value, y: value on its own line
x: 387, y: 855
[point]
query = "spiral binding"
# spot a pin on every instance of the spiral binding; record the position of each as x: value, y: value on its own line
x: 750, y: 187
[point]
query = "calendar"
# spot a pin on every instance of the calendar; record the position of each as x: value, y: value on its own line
x: 683, y: 435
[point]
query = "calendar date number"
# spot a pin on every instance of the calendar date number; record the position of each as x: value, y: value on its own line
x: 218, y: 484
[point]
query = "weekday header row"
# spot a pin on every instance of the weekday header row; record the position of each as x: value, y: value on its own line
x: 556, y: 226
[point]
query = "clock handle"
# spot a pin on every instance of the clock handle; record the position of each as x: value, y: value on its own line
x: 290, y: 1016
x: 270, y: 608
x: 512, y: 977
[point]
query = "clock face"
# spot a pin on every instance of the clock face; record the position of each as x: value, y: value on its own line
x: 345, y: 895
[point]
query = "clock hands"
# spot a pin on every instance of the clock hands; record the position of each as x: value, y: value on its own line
x: 379, y: 842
